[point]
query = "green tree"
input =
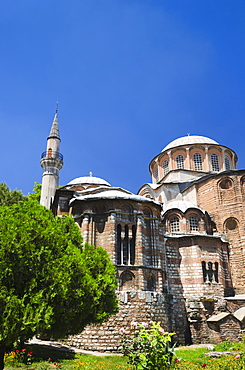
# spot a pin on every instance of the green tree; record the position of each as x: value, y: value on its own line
x: 36, y: 192
x: 49, y: 283
x: 9, y: 197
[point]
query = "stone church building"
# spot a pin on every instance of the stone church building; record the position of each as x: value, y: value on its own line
x: 178, y: 244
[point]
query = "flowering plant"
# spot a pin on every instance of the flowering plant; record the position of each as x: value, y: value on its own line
x: 20, y: 356
x: 148, y: 347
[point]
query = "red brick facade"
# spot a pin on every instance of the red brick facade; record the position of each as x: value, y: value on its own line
x: 178, y: 245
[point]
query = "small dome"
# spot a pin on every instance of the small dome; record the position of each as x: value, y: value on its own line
x: 88, y: 180
x: 190, y: 139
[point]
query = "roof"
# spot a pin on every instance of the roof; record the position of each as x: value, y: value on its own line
x: 112, y: 193
x: 54, y: 132
x: 240, y: 314
x: 220, y: 316
x: 182, y: 205
x: 88, y: 180
x: 190, y: 139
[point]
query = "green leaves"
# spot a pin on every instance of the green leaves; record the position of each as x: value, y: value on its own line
x: 47, y: 277
x: 148, y: 347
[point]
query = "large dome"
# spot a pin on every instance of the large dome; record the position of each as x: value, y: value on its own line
x: 190, y: 139
x: 89, y: 180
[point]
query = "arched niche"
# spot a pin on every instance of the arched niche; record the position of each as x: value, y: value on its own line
x: 127, y: 280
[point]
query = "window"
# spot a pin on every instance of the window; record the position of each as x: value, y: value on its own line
x: 126, y: 245
x: 225, y: 184
x: 180, y: 161
x: 210, y: 274
x: 156, y: 174
x: 197, y: 161
x: 215, y: 162
x: 165, y: 167
x: 231, y: 223
x: 227, y: 164
x: 193, y: 224
x: 174, y: 224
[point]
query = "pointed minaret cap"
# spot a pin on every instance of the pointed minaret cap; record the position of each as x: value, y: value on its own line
x: 54, y: 132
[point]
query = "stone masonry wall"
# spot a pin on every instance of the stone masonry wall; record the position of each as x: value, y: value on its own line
x: 140, y: 306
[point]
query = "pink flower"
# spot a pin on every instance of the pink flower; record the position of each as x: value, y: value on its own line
x: 134, y: 323
x: 23, y: 350
x: 237, y: 357
x: 17, y: 351
x: 122, y: 331
x: 145, y: 324
x: 162, y: 331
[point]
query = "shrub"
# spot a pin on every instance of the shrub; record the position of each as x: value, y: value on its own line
x: 148, y: 346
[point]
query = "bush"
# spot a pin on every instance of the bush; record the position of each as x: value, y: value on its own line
x: 148, y: 346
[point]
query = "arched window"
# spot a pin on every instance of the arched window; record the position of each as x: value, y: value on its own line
x: 197, y: 162
x: 126, y: 245
x: 215, y: 162
x: 227, y: 164
x: 156, y: 174
x: 180, y: 161
x: 165, y: 167
x: 174, y: 224
x: 193, y: 223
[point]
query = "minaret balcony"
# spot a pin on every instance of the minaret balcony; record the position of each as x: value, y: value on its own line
x: 52, y: 154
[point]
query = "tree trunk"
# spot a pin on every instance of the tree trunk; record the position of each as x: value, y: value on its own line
x: 2, y: 352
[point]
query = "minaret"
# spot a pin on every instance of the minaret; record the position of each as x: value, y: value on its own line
x: 51, y: 162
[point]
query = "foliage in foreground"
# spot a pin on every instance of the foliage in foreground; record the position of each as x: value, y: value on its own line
x: 47, y: 277
x: 45, y: 358
x: 148, y: 346
x: 48, y: 359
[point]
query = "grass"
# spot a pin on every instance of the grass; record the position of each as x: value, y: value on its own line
x: 48, y: 358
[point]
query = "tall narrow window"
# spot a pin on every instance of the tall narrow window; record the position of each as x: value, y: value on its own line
x: 174, y: 224
x: 216, y: 271
x: 165, y: 167
x: 197, y: 161
x: 193, y: 224
x: 119, y: 252
x: 227, y: 164
x: 126, y: 245
x: 215, y: 162
x: 204, y: 271
x: 180, y: 161
x: 156, y: 174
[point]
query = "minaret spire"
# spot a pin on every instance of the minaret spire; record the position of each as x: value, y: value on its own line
x: 51, y: 162
x: 54, y: 132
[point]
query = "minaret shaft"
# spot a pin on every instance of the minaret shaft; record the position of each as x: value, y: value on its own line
x: 51, y: 162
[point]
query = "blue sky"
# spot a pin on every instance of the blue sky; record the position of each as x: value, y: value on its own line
x: 130, y: 76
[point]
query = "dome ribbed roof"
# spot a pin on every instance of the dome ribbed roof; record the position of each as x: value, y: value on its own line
x: 88, y: 180
x: 190, y: 139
